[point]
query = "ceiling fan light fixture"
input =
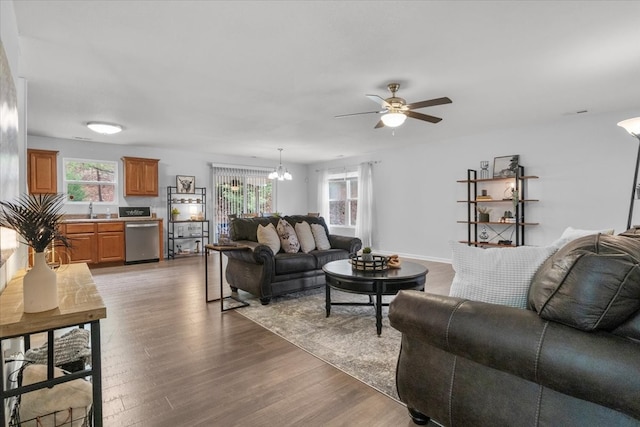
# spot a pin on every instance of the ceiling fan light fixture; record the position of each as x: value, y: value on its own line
x: 104, y: 128
x: 394, y: 119
x: 280, y: 173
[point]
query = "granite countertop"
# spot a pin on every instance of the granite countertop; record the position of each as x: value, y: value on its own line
x: 103, y: 218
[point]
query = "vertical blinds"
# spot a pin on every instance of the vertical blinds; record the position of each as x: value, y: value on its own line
x: 240, y: 191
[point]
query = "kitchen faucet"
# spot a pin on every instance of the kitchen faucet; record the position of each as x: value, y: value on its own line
x: 91, y: 215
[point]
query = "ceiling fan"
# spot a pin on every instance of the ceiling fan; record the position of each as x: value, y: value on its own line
x: 395, y: 110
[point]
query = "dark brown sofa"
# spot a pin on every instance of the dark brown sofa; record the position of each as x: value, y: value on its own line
x: 264, y: 274
x: 571, y: 359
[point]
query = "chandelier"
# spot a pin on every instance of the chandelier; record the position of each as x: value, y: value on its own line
x: 280, y: 173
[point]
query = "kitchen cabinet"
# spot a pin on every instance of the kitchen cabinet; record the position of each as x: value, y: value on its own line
x: 140, y: 176
x: 42, y: 171
x: 95, y: 243
x: 110, y: 241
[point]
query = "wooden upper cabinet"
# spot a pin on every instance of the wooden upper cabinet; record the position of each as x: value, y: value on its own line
x: 140, y: 176
x: 42, y: 171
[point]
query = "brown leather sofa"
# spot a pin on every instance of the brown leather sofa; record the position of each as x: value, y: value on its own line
x: 571, y: 359
x: 264, y: 274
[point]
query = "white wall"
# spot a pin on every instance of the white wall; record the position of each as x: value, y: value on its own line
x: 291, y: 196
x: 585, y: 164
x: 9, y: 37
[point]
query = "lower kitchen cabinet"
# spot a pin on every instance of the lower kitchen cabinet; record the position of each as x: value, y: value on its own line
x: 95, y: 243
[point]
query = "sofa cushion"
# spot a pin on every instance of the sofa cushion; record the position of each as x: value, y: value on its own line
x: 305, y: 237
x: 320, y: 236
x: 570, y: 234
x: 247, y: 228
x: 288, y: 237
x: 496, y: 275
x: 269, y: 236
x: 294, y: 262
x: 592, y: 283
x: 323, y: 257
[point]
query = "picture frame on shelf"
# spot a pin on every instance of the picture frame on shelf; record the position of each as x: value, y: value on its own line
x: 506, y: 166
x: 185, y: 184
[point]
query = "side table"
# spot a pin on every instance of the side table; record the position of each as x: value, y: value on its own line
x: 221, y: 249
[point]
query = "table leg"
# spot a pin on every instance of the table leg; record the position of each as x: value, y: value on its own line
x: 379, y: 307
x: 221, y: 287
x: 96, y: 370
x: 206, y: 274
x: 327, y: 299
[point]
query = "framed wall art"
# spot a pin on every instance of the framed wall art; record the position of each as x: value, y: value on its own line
x: 186, y: 184
x: 506, y: 166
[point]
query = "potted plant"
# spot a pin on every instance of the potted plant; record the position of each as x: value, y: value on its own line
x: 37, y: 220
x: 366, y: 254
x: 174, y: 214
x: 483, y: 213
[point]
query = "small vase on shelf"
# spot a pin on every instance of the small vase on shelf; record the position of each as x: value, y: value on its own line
x: 40, y: 286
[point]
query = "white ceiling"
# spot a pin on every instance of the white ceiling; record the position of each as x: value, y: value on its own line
x: 247, y: 77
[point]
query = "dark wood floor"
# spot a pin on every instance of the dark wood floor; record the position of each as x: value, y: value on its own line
x: 170, y: 359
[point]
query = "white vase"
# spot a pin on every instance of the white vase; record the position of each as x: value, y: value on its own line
x: 40, y: 287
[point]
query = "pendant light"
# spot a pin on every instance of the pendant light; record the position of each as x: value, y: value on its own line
x: 280, y: 173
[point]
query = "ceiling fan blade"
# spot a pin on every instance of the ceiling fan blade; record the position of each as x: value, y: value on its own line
x: 424, y: 117
x: 429, y: 103
x: 379, y: 125
x: 357, y: 114
x: 378, y: 100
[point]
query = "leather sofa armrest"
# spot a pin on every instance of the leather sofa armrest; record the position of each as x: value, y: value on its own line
x: 257, y: 253
x: 349, y: 244
x: 592, y: 366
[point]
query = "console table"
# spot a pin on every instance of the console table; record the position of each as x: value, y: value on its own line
x: 221, y: 249
x: 80, y: 304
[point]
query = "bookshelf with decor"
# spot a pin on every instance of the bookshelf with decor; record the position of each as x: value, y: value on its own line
x: 505, y: 194
x: 187, y: 224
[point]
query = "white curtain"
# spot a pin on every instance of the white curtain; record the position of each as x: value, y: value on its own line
x: 323, y: 194
x: 364, y: 216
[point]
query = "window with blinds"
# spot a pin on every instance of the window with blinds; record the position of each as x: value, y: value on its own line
x: 241, y: 192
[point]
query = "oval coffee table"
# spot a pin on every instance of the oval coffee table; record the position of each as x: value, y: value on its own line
x: 340, y: 275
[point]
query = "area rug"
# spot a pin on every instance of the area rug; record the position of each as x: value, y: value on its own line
x: 347, y: 339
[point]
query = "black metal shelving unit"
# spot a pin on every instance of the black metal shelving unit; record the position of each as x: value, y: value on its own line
x: 186, y: 229
x: 498, y: 228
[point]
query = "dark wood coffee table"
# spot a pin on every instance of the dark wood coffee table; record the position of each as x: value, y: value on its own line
x: 340, y: 275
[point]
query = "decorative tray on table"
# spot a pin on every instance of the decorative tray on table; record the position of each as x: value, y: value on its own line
x: 379, y: 263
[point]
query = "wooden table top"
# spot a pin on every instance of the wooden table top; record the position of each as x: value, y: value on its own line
x: 222, y: 248
x: 78, y: 297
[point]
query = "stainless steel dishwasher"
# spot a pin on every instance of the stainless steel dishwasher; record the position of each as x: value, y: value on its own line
x: 142, y: 242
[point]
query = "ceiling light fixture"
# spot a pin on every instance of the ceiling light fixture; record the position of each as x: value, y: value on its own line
x: 104, y: 128
x: 280, y: 173
x: 633, y: 127
x: 393, y: 119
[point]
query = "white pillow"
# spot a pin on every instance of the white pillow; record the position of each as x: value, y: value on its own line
x: 496, y: 275
x: 320, y: 236
x: 571, y: 233
x: 288, y: 237
x: 268, y: 236
x: 305, y: 236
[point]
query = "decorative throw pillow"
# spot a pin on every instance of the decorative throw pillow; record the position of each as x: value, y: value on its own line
x: 593, y: 283
x: 305, y: 236
x: 496, y: 275
x: 268, y: 236
x: 320, y: 236
x: 288, y: 237
x: 570, y: 234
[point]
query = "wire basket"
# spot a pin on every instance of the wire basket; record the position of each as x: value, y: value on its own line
x: 379, y: 263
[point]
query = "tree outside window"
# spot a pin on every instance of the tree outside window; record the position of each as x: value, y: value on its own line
x: 91, y: 181
x: 343, y: 199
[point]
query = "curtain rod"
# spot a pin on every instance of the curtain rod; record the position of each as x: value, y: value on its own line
x: 372, y: 162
